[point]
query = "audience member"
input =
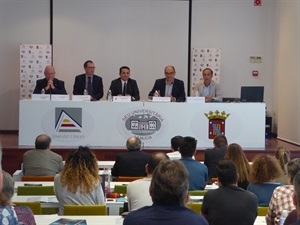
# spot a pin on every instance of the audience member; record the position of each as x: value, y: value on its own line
x: 264, y: 170
x: 197, y: 171
x: 237, y: 155
x: 212, y: 156
x: 138, y: 191
x: 23, y: 213
x: 283, y: 156
x: 79, y: 182
x: 124, y: 85
x: 169, y: 193
x: 133, y: 162
x: 175, y: 143
x: 41, y: 161
x: 89, y: 82
x: 50, y: 84
x: 169, y: 86
x: 282, y: 195
x: 229, y: 204
x: 207, y: 87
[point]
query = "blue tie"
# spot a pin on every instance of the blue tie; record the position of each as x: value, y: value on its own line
x: 89, y: 86
x: 124, y: 89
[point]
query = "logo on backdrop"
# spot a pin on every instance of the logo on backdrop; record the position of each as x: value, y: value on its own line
x: 143, y: 123
x: 216, y: 124
x: 68, y: 124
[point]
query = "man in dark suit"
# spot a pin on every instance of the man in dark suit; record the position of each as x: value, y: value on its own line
x: 125, y: 85
x: 169, y: 86
x: 213, y: 155
x: 133, y: 162
x: 50, y: 84
x: 89, y: 82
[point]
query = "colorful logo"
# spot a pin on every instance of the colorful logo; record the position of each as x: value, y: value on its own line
x: 65, y: 122
x: 216, y: 124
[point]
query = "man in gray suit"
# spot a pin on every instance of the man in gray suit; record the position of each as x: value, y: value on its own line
x: 207, y: 87
x: 41, y: 161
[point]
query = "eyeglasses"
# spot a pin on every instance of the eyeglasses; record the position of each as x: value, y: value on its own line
x: 91, y: 68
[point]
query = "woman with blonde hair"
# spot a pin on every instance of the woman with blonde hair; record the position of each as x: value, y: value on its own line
x: 235, y: 153
x: 79, y: 182
x: 282, y: 154
x: 264, y: 171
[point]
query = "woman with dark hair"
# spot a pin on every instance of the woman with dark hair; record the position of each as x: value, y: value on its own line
x: 79, y: 182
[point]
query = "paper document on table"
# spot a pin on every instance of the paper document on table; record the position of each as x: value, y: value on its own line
x: 42, y: 199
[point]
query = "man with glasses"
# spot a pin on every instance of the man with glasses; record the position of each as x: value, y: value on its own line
x: 89, y: 83
x: 169, y: 86
x: 50, y: 85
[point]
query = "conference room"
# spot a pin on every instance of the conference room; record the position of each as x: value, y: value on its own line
x: 147, y: 36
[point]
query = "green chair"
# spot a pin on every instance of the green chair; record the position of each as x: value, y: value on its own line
x: 195, y: 206
x: 34, y: 206
x: 262, y: 210
x: 84, y: 210
x: 120, y: 189
x: 197, y: 192
x: 35, y: 190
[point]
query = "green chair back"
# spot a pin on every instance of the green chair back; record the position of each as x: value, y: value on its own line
x: 197, y: 192
x: 262, y: 210
x: 85, y: 210
x: 120, y: 189
x: 34, y: 206
x: 195, y: 206
x: 35, y: 190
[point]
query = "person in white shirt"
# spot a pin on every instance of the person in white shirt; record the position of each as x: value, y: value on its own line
x: 138, y: 191
x: 175, y: 142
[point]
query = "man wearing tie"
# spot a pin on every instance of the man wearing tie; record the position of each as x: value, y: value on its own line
x: 89, y: 81
x: 50, y: 84
x: 124, y: 85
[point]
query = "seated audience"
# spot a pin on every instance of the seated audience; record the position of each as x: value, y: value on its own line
x: 207, y: 87
x: 213, y: 155
x: 138, y: 190
x: 169, y: 86
x: 282, y: 195
x: 237, y: 155
x: 41, y: 161
x: 169, y: 193
x: 124, y: 85
x: 197, y: 171
x: 50, y: 84
x: 175, y: 142
x: 283, y: 156
x: 79, y: 182
x: 133, y: 162
x: 10, y: 213
x: 264, y: 170
x: 229, y: 204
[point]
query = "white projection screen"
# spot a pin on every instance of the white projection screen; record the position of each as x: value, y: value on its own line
x: 144, y: 35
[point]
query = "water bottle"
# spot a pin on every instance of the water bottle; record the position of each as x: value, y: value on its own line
x: 156, y: 93
x: 109, y: 96
x: 283, y: 216
x: 106, y: 182
x: 43, y: 91
x: 85, y: 92
x: 197, y: 94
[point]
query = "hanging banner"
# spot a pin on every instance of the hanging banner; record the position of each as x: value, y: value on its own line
x: 33, y: 60
x: 205, y: 58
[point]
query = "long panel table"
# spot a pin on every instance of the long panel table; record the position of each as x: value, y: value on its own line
x: 109, y: 124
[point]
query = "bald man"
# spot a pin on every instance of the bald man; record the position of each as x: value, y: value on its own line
x: 132, y: 162
x: 50, y: 84
x: 169, y: 86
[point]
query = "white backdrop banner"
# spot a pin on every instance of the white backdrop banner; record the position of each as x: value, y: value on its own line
x: 33, y: 60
